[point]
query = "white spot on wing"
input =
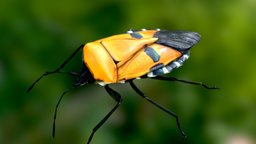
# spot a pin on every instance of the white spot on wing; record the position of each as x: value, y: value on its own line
x: 143, y: 29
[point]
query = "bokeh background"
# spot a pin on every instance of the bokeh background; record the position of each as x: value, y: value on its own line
x: 36, y: 36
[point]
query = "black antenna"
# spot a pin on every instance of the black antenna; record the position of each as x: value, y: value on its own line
x: 57, y: 70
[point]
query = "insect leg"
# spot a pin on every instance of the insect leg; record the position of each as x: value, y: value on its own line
x: 117, y: 97
x: 56, y: 109
x: 136, y: 89
x: 184, y: 81
x: 58, y: 69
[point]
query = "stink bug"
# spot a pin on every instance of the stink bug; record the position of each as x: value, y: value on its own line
x: 125, y: 57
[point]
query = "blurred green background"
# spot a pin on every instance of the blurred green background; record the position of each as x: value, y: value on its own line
x: 36, y: 36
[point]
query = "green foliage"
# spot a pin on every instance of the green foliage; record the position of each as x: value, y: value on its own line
x: 36, y: 36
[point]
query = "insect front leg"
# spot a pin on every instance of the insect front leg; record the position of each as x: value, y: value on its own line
x: 117, y: 97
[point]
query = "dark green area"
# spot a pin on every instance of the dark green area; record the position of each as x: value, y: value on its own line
x: 36, y: 36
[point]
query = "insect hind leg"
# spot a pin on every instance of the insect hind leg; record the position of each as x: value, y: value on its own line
x: 138, y: 91
x: 184, y: 81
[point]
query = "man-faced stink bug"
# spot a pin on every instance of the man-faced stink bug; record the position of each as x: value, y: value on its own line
x: 125, y: 57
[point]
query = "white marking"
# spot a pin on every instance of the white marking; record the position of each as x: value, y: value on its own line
x: 129, y: 31
x: 151, y: 74
x: 123, y: 81
x: 177, y: 64
x: 186, y: 56
x: 102, y: 83
x: 158, y: 29
x: 143, y: 29
x: 138, y: 77
x: 165, y: 70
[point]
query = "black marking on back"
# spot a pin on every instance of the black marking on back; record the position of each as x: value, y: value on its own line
x: 180, y: 40
x: 158, y: 72
x: 152, y: 54
x: 136, y: 35
x: 156, y: 67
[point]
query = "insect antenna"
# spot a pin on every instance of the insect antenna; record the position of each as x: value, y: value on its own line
x: 58, y: 69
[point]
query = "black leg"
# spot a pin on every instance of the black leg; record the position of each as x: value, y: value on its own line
x: 56, y: 109
x: 58, y: 69
x: 136, y: 89
x: 117, y: 97
x: 184, y: 81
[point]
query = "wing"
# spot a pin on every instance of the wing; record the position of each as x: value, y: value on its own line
x: 180, y: 40
x: 121, y: 49
x: 147, y: 60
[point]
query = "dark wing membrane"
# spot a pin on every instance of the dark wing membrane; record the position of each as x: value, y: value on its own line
x: 180, y: 40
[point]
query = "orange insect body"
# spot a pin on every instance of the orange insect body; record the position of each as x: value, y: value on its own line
x: 127, y: 56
